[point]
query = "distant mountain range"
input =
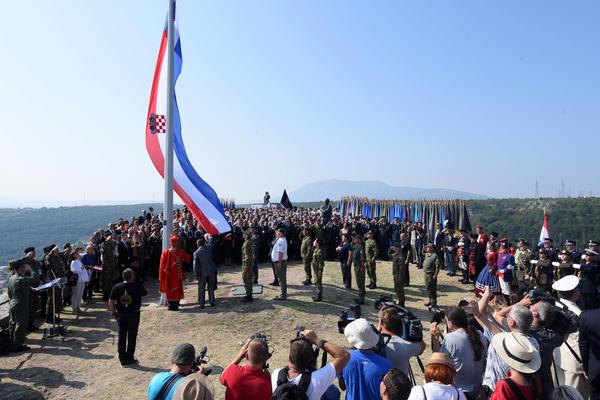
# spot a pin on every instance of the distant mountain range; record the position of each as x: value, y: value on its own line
x: 335, y: 189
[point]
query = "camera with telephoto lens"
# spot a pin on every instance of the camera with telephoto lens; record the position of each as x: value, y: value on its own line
x: 201, y: 359
x: 438, y: 314
x: 565, y: 321
x: 411, y: 328
x: 344, y: 320
x: 539, y: 294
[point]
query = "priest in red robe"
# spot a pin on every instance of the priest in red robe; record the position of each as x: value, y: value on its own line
x: 171, y: 273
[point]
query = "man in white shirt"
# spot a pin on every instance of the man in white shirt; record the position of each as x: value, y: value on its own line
x: 567, y: 357
x: 279, y: 257
x: 301, y: 360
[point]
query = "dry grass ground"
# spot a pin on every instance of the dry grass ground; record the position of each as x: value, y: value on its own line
x: 84, y: 366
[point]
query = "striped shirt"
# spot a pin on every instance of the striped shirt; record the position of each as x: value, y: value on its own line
x: 496, y: 369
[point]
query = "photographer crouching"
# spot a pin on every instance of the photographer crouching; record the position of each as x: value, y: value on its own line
x: 301, y: 375
x: 185, y: 380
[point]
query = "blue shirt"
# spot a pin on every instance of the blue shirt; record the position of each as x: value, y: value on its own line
x: 363, y: 374
x: 157, y: 383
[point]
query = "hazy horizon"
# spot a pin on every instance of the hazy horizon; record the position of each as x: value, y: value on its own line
x: 478, y: 97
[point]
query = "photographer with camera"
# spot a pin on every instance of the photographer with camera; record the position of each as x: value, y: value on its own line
x: 250, y: 379
x: 398, y: 350
x: 183, y: 373
x: 466, y: 347
x: 361, y: 378
x: 543, y: 313
x: 301, y: 379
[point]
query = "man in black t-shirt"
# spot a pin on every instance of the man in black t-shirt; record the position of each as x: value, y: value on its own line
x: 125, y: 302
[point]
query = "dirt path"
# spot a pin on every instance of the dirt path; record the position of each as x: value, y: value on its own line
x: 85, y: 364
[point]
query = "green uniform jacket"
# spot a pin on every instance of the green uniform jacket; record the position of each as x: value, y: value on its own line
x: 306, y: 249
x: 55, y: 266
x: 371, y: 249
x: 431, y: 263
x: 358, y: 255
x: 19, y: 292
x: 247, y: 253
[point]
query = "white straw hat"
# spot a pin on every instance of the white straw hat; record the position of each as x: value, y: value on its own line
x: 517, y: 351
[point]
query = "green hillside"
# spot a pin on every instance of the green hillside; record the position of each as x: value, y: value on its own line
x: 576, y: 218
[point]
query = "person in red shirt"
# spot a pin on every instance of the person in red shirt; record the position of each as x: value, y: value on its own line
x: 524, y: 360
x: 249, y: 381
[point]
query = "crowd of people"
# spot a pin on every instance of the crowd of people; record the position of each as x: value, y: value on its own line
x: 525, y: 330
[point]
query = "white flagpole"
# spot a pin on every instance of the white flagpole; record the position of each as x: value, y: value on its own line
x: 168, y: 203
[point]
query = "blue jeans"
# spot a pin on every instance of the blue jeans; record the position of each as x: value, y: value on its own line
x: 449, y: 259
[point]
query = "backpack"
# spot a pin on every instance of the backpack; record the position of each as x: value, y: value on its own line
x: 288, y: 390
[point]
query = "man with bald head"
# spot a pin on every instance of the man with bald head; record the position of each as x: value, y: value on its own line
x: 250, y: 378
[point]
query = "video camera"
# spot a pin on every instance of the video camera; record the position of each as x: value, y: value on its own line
x: 344, y: 320
x: 266, y: 339
x: 411, y: 328
x: 201, y: 359
x: 565, y: 321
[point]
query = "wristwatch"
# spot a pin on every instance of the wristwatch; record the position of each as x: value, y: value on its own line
x: 322, y: 343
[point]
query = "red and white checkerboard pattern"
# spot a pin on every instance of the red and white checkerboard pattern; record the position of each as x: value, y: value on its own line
x: 161, y: 123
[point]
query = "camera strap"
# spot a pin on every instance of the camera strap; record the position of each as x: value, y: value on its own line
x: 168, y: 385
x: 324, y: 359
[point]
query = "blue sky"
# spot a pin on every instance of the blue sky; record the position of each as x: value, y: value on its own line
x: 478, y: 96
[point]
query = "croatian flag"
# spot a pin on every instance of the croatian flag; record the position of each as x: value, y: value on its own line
x: 198, y: 196
x: 544, y: 233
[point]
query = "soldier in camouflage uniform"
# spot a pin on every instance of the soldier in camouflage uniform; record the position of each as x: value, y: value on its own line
x: 371, y: 253
x: 255, y: 253
x: 306, y: 251
x: 318, y: 263
x: 247, y: 262
x: 398, y: 261
x: 431, y: 269
x: 110, y: 274
x: 36, y: 272
x: 55, y: 268
x: 358, y: 261
x: 19, y: 293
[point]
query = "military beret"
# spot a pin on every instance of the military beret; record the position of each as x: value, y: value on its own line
x: 17, y: 264
x: 49, y: 248
x: 29, y: 249
x: 67, y: 246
